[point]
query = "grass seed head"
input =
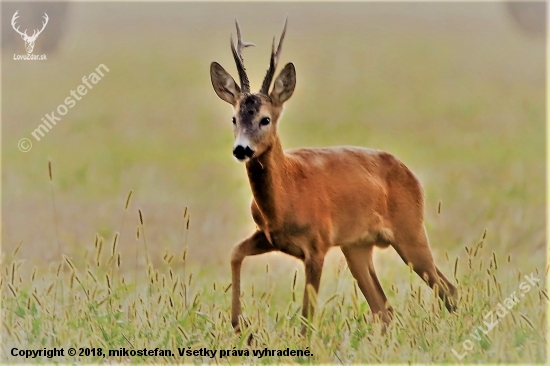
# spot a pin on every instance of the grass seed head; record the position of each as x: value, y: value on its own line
x: 69, y: 262
x: 115, y: 242
x: 180, y: 329
x: 128, y: 199
x: 78, y: 280
x: 12, y: 290
x: 527, y: 320
x: 49, y: 289
x: 98, y: 252
x: 476, y: 249
x: 91, y: 275
x: 12, y: 273
x: 140, y: 217
x: 94, y: 292
x: 17, y: 248
x: 36, y: 299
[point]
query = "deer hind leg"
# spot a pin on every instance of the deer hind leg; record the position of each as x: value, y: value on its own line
x: 360, y: 263
x: 453, y: 293
x: 415, y: 250
x: 386, y: 316
x: 256, y: 244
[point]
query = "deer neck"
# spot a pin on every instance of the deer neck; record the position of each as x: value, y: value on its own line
x: 266, y: 175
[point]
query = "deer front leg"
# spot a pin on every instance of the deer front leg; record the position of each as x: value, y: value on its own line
x: 254, y: 245
x: 314, y: 268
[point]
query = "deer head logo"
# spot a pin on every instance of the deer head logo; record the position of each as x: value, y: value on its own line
x: 29, y: 40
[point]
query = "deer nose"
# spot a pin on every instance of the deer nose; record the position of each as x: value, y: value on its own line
x: 241, y: 152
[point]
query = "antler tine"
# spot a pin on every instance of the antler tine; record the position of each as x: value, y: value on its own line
x: 280, y: 46
x: 240, y: 43
x: 237, y: 55
x: 274, y: 61
x: 13, y: 19
x: 46, y: 18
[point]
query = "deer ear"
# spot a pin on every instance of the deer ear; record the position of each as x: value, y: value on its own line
x: 284, y: 84
x: 223, y: 84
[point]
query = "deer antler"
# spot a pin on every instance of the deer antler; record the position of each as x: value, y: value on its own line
x: 237, y: 55
x: 273, y: 62
x: 24, y: 34
x: 35, y: 35
x: 13, y: 19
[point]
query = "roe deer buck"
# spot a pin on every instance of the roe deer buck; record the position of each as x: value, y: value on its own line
x: 307, y: 200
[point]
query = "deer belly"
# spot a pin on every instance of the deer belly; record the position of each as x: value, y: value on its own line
x: 372, y: 229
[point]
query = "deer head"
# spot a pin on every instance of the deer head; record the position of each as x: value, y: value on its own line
x: 255, y: 114
x: 29, y: 40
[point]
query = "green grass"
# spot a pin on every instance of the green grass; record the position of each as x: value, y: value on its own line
x: 462, y: 106
x: 94, y: 304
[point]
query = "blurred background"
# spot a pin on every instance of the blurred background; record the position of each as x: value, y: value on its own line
x: 455, y: 90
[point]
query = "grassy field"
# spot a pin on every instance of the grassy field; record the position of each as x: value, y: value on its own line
x: 455, y: 91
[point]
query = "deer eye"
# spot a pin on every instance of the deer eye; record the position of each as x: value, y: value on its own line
x: 234, y: 120
x: 265, y: 121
